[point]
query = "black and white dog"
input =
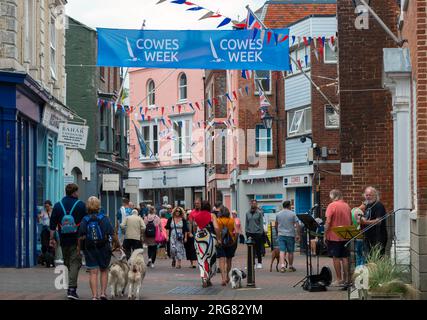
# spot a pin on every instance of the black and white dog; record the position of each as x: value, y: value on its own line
x: 236, y: 277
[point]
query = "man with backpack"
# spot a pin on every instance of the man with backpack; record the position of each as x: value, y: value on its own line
x: 66, y: 216
x: 95, y: 232
x: 227, y: 244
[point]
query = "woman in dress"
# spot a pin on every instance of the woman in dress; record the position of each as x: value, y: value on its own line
x: 178, y: 231
x: 151, y: 219
x: 205, y: 241
x: 190, y: 249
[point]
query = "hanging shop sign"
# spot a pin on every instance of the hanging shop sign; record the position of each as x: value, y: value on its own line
x: 52, y: 118
x: 192, y: 49
x: 73, y: 136
x: 110, y: 182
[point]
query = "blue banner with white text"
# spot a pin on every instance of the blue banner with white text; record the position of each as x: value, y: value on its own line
x: 194, y: 49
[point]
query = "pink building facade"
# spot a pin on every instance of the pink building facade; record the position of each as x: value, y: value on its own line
x: 169, y: 114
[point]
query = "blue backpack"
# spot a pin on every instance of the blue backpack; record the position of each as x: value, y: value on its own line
x: 68, y: 224
x: 94, y: 233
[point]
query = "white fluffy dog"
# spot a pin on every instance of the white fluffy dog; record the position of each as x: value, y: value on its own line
x: 236, y: 277
x: 118, y: 276
x: 136, y: 273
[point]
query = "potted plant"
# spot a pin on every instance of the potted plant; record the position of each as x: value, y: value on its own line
x: 385, y: 280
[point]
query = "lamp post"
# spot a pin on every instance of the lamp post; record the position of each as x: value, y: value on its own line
x: 267, y: 119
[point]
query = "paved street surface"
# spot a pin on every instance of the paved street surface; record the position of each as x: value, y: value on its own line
x: 164, y: 282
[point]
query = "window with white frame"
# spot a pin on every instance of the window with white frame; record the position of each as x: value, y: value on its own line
x: 332, y: 118
x: 299, y: 122
x: 151, y: 93
x: 52, y: 48
x: 303, y: 56
x: 182, y: 132
x: 330, y: 55
x: 263, y: 77
x: 29, y: 31
x: 182, y: 87
x: 150, y: 134
x: 263, y: 140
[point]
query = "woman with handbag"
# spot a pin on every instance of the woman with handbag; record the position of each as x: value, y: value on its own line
x: 178, y: 230
x: 205, y: 241
x: 153, y: 227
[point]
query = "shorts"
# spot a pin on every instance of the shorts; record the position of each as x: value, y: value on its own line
x: 286, y: 244
x: 98, y: 258
x: 226, y: 252
x: 336, y: 249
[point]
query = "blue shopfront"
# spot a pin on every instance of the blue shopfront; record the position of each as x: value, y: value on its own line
x: 22, y: 102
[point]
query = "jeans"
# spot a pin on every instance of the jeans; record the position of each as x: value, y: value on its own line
x: 359, y: 247
x: 258, y: 238
x: 73, y: 262
x: 152, y: 253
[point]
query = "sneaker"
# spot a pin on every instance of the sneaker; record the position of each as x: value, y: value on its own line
x: 152, y: 266
x: 291, y: 269
x: 259, y: 266
x: 282, y: 269
x: 72, y: 294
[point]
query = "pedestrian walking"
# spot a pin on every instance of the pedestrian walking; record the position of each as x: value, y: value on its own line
x: 152, y: 223
x: 227, y: 243
x: 133, y: 228
x: 143, y: 210
x: 124, y: 211
x: 206, y: 241
x: 255, y: 229
x: 178, y: 230
x: 66, y: 216
x: 164, y: 247
x: 94, y: 234
x: 44, y: 234
x: 287, y: 229
x: 190, y: 249
x: 238, y: 227
x: 338, y: 213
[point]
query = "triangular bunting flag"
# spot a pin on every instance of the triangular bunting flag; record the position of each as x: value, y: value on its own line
x: 228, y: 97
x: 198, y: 106
x: 224, y: 22
x: 269, y: 33
x: 235, y: 95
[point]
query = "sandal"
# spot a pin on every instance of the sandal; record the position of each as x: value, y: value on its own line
x: 95, y: 298
x: 103, y: 297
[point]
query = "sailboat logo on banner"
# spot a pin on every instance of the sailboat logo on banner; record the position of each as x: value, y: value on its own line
x: 216, y: 59
x: 130, y: 51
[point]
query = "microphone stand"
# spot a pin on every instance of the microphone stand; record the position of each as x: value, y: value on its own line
x: 369, y: 227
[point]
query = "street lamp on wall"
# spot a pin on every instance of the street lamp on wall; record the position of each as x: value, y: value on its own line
x: 267, y: 119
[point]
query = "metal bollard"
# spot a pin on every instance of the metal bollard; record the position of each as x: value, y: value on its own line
x: 251, y: 263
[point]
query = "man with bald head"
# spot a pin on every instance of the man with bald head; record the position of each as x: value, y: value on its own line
x: 375, y: 210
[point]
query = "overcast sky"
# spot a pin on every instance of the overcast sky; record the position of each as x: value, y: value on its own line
x: 130, y: 14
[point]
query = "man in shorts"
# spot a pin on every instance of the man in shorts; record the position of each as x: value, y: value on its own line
x: 287, y: 229
x: 338, y: 213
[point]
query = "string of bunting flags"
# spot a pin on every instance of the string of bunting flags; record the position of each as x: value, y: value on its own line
x: 146, y: 113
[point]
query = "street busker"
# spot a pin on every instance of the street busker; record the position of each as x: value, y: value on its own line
x: 206, y: 241
x: 95, y: 233
x: 338, y: 214
x: 66, y: 217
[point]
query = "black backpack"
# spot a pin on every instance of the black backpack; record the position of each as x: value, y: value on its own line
x: 150, y: 230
